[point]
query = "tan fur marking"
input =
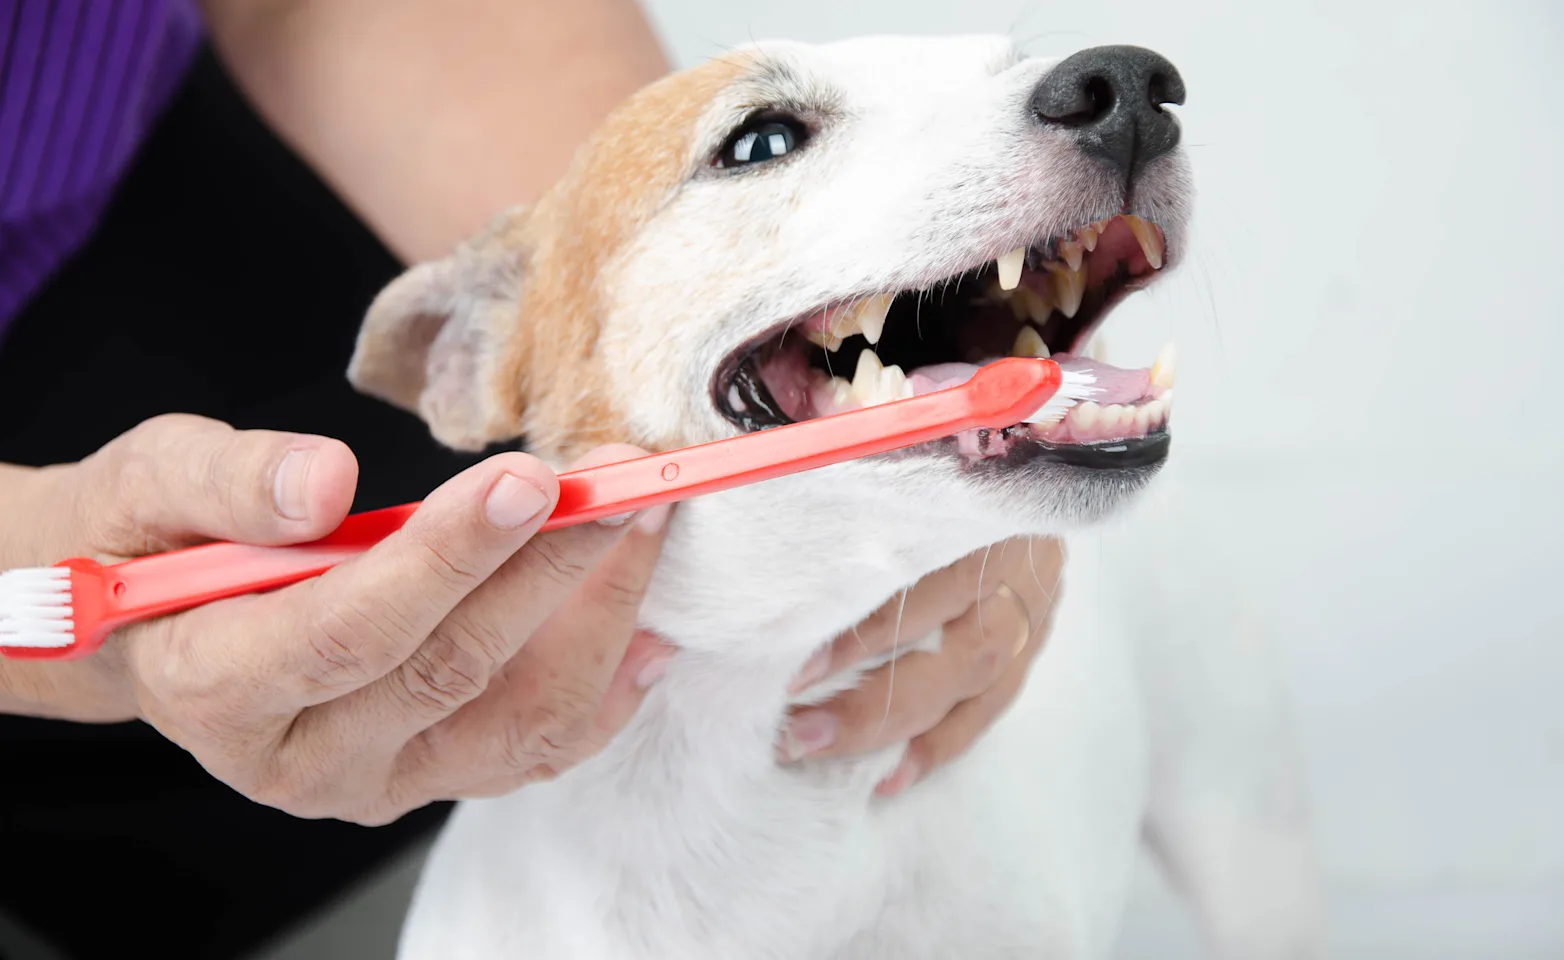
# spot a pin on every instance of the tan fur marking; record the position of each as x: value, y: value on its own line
x: 550, y: 378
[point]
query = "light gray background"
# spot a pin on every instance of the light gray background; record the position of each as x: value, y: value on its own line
x: 1368, y: 458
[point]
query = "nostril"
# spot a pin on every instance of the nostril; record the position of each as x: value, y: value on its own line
x: 1091, y: 100
x: 1157, y: 90
x: 1101, y: 96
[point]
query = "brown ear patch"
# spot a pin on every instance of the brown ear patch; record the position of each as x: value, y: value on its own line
x: 549, y: 376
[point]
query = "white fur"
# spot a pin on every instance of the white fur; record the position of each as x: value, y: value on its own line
x: 685, y: 839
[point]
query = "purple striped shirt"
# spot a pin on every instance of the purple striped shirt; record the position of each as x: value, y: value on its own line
x: 81, y: 81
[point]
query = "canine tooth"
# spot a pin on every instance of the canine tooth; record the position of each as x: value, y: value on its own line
x: 1009, y: 267
x: 1029, y: 343
x: 1087, y: 237
x: 1072, y: 253
x: 866, y: 379
x: 735, y: 401
x: 1085, y: 415
x: 821, y: 338
x: 998, y: 292
x: 1162, y: 369
x: 871, y: 316
x: 1069, y: 287
x: 1150, y: 241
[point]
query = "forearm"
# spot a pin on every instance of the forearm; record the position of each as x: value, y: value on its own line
x: 428, y: 116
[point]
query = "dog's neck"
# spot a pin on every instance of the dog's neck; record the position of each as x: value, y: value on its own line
x: 759, y: 577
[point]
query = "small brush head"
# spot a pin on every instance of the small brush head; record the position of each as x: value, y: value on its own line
x: 35, y: 608
x: 1074, y: 386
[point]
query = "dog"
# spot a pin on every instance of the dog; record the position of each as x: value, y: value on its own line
x: 782, y: 232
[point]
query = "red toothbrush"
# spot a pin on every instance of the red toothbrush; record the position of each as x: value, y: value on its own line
x: 65, y: 611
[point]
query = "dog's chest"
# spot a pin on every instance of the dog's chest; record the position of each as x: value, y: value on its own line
x: 686, y: 840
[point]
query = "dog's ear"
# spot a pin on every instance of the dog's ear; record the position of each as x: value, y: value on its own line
x: 431, y: 341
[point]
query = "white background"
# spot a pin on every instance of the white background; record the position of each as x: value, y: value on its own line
x: 1368, y: 456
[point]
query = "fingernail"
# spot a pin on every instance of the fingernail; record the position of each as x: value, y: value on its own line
x: 900, y: 779
x: 812, y: 671
x: 654, y: 519
x: 288, y: 487
x: 513, y: 502
x: 808, y: 732
x: 653, y: 671
x: 617, y: 520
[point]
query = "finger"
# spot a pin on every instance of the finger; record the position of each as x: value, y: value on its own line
x: 177, y: 480
x: 955, y: 734
x: 324, y: 638
x: 936, y: 599
x: 568, y: 688
x: 643, y: 665
x: 911, y: 694
x: 574, y: 625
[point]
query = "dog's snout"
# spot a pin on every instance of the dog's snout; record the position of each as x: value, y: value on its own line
x: 1111, y: 98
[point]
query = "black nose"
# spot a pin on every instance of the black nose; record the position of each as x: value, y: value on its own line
x: 1111, y: 98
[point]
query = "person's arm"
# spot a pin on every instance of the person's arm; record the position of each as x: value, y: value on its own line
x: 426, y: 117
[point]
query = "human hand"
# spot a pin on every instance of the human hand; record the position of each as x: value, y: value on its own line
x: 460, y: 657
x: 996, y: 607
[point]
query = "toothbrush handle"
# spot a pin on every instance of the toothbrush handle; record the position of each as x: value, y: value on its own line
x: 1000, y: 394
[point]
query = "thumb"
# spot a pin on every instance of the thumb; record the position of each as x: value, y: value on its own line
x: 177, y: 480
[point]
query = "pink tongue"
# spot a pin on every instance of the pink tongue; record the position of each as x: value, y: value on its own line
x: 1113, y: 385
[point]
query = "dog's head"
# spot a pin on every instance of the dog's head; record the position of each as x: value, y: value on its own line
x: 791, y: 230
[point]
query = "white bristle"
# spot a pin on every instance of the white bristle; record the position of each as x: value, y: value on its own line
x: 1074, y: 386
x: 35, y: 608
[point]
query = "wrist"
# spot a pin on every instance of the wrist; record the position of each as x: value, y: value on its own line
x: 86, y: 691
x: 30, y: 508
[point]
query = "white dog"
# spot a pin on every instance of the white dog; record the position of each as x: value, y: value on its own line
x: 784, y: 232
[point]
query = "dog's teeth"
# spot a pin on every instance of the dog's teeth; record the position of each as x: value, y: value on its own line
x: 871, y: 316
x: 1029, y: 343
x: 1085, y: 415
x: 1069, y: 287
x: 1072, y: 253
x: 866, y: 379
x: 1147, y: 415
x: 894, y: 385
x: 841, y: 391
x: 1149, y: 239
x: 821, y: 338
x: 1028, y: 304
x: 735, y: 401
x: 1162, y: 370
x: 1087, y: 237
x: 998, y: 292
x: 1009, y: 267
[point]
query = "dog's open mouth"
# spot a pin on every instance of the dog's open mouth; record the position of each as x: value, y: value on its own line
x: 1041, y: 301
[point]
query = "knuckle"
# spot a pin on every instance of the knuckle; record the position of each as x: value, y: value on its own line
x: 553, y: 735
x: 439, y: 556
x: 350, y: 645
x: 544, y: 556
x: 443, y: 674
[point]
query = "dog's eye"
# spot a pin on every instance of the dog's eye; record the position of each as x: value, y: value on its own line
x: 762, y: 139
